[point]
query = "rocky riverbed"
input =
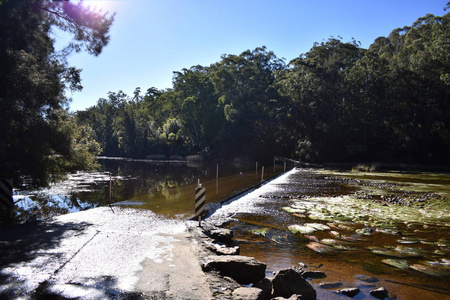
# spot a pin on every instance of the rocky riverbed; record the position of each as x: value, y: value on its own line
x: 391, y: 229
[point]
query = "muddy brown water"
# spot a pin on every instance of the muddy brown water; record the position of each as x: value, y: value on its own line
x: 405, y: 247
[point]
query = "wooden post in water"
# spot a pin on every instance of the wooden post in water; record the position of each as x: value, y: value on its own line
x: 284, y: 166
x: 274, y: 164
x: 256, y: 168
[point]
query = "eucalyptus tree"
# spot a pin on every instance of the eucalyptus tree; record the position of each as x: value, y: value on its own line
x: 33, y: 78
x: 244, y: 89
x: 318, y: 108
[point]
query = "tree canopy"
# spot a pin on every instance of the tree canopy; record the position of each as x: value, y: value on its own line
x: 38, y: 136
x: 337, y: 102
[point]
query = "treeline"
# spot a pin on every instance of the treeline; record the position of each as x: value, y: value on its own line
x: 337, y: 102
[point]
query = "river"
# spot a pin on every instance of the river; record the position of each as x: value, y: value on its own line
x: 393, y: 226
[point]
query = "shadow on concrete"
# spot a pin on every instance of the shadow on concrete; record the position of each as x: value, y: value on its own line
x: 23, y: 243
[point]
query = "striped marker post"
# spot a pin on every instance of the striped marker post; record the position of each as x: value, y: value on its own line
x: 6, y: 187
x: 200, y: 200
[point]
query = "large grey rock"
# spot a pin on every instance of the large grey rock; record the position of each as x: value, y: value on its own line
x: 243, y: 269
x: 289, y: 282
x: 248, y: 293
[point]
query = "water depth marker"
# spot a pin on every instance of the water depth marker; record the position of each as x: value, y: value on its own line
x: 200, y: 201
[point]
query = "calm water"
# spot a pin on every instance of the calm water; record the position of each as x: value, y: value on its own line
x: 163, y: 187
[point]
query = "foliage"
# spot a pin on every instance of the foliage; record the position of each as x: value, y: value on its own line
x: 36, y: 136
x: 337, y: 102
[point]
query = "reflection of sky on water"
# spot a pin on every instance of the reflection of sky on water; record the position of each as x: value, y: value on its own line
x: 66, y: 196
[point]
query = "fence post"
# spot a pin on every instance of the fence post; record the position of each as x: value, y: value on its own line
x: 262, y: 174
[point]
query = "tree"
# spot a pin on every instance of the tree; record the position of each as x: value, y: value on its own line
x: 33, y: 78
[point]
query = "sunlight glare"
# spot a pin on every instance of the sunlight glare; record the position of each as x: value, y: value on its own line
x: 103, y: 5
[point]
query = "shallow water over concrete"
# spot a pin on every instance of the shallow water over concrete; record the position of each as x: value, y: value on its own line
x: 165, y: 188
x: 394, y: 227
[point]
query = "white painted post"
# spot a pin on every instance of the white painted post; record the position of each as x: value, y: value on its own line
x: 110, y: 188
x: 262, y: 174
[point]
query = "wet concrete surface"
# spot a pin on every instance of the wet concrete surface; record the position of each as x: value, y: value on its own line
x: 101, y: 253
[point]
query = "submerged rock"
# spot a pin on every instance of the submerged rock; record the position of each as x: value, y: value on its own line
x: 330, y: 285
x: 380, y: 293
x: 320, y: 248
x: 308, y: 228
x: 313, y: 274
x: 398, y: 263
x: 289, y: 282
x: 349, y: 292
x: 366, y: 278
x: 429, y: 270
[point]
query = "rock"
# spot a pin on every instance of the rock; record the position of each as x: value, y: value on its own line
x: 293, y: 297
x: 313, y: 274
x: 220, y: 234
x: 243, y: 269
x: 228, y: 250
x: 248, y: 293
x: 321, y: 248
x: 266, y: 286
x: 330, y: 285
x: 380, y: 293
x: 289, y: 282
x: 349, y: 292
x: 366, y: 278
x: 222, y: 249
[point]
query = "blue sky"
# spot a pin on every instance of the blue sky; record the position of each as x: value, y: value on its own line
x: 150, y: 39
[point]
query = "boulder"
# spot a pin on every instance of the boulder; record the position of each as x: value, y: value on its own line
x: 289, y: 282
x: 248, y: 293
x: 380, y: 293
x: 243, y: 269
x: 266, y: 286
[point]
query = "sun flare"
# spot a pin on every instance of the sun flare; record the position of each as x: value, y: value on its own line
x: 104, y: 5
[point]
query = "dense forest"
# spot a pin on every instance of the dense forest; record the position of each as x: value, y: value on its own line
x: 338, y: 102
